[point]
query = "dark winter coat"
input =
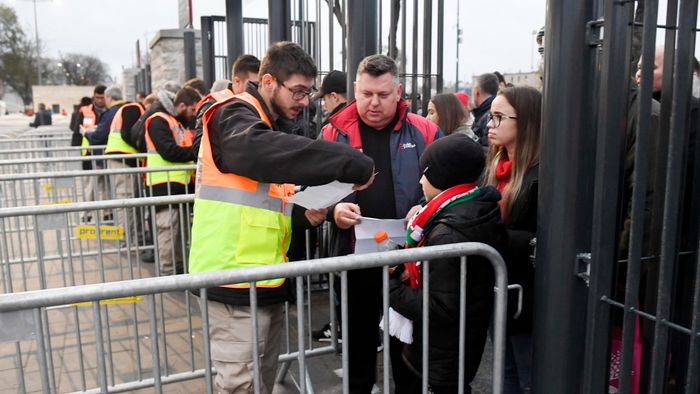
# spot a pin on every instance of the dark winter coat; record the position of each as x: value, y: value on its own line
x: 481, y: 119
x: 478, y: 220
x: 522, y: 228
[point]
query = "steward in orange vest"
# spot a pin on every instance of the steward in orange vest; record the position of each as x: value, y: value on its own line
x: 241, y: 150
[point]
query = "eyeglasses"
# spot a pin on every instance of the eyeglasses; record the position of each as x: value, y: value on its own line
x: 497, y: 118
x: 301, y: 93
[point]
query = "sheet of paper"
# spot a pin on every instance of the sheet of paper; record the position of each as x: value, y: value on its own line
x: 364, y: 233
x: 317, y: 197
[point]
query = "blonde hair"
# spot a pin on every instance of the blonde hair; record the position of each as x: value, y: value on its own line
x: 527, y: 102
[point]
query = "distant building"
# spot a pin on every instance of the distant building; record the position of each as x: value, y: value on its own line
x: 60, y: 97
x: 529, y: 78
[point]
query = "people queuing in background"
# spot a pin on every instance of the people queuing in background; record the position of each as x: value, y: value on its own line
x: 512, y: 167
x: 169, y: 143
x: 483, y: 93
x: 334, y: 93
x: 446, y: 111
x: 244, y: 69
x: 198, y: 85
x: 42, y: 117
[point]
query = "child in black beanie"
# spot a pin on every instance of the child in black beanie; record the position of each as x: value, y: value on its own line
x: 457, y: 211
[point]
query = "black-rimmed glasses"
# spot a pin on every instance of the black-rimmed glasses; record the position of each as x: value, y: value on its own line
x: 497, y: 118
x: 298, y: 94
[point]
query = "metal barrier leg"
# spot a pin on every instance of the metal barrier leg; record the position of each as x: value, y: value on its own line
x: 255, y: 340
x: 41, y: 352
x: 346, y: 335
x: 204, y: 305
x: 154, y: 342
x: 99, y: 343
x: 300, y: 334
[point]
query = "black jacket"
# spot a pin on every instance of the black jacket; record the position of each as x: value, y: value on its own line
x: 244, y: 144
x: 137, y: 134
x: 42, y: 118
x: 481, y: 119
x: 522, y: 228
x: 199, y: 125
x: 478, y: 220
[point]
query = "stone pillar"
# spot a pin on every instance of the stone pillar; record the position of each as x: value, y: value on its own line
x: 129, y: 83
x: 168, y: 57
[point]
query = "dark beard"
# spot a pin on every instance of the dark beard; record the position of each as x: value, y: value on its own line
x: 276, y: 108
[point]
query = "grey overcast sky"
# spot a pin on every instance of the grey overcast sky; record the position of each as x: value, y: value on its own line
x: 497, y: 34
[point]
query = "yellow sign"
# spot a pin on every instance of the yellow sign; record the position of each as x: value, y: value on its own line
x: 111, y: 233
x: 112, y: 301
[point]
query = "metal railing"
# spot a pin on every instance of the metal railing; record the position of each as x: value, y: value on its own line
x: 31, y: 311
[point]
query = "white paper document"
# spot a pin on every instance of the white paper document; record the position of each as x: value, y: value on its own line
x: 364, y: 233
x: 317, y: 197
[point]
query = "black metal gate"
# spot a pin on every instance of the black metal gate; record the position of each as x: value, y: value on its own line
x: 255, y: 33
x: 618, y: 284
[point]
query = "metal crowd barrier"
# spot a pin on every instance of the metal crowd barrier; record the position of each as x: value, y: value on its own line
x: 96, y: 338
x: 37, y: 153
x: 68, y: 244
x: 59, y: 187
x: 60, y: 163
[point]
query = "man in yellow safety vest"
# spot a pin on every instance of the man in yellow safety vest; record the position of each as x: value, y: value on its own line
x: 169, y: 143
x: 246, y: 170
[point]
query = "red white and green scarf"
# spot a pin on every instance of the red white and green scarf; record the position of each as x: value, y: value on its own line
x: 415, y: 234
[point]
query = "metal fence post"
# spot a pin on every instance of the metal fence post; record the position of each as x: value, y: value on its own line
x: 567, y: 146
x: 673, y: 192
x: 208, y: 70
x: 234, y: 31
x: 361, y: 36
x: 279, y: 21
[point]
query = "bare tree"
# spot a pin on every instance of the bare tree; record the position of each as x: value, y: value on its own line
x: 18, y: 57
x: 79, y: 69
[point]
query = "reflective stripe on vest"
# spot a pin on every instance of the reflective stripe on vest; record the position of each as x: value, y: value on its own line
x: 89, y: 120
x: 115, y: 142
x: 238, y: 222
x: 183, y: 138
x: 217, y: 96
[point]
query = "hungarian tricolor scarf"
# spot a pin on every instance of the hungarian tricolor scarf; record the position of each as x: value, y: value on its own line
x: 420, y: 223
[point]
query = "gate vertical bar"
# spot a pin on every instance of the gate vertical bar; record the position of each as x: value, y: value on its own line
x: 562, y: 178
x: 414, y: 60
x: 644, y: 102
x: 680, y: 107
x: 279, y: 21
x: 440, y: 45
x: 362, y: 36
x: 208, y: 67
x: 427, y: 52
x: 234, y: 32
x: 611, y: 136
x: 693, y: 378
x: 190, y: 56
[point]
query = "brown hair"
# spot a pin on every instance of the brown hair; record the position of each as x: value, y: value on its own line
x: 451, y: 112
x: 186, y: 95
x: 198, y: 85
x: 245, y: 64
x: 527, y: 102
x: 284, y: 59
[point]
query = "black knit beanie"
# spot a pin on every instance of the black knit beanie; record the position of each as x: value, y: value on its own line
x: 452, y: 160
